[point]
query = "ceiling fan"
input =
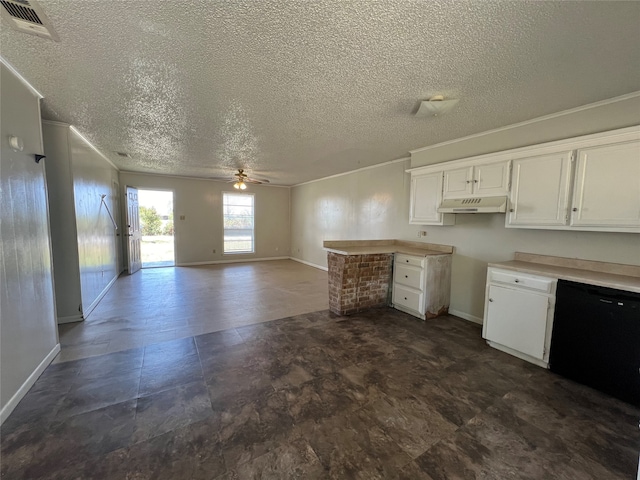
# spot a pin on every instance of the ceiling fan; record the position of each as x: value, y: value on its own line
x: 240, y: 179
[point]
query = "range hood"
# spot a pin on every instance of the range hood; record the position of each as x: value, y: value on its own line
x: 474, y: 205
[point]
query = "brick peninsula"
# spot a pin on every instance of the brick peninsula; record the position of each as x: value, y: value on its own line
x: 361, y: 274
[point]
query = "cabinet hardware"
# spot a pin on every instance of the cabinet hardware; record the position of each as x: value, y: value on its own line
x: 491, y: 299
x: 406, y: 276
x: 511, y: 210
x: 407, y: 261
x: 405, y: 298
x: 475, y: 181
x: 468, y: 181
x: 574, y: 209
x: 517, y: 281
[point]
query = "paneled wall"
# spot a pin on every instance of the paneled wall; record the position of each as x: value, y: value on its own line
x: 201, y: 232
x: 86, y: 248
x: 98, y: 242
x: 28, y: 334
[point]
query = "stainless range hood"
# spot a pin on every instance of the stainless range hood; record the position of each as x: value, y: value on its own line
x: 474, y: 205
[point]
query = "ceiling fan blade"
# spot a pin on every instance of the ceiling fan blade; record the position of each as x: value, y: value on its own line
x: 256, y: 180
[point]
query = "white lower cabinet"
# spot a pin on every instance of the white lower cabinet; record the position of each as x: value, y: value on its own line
x: 421, y: 285
x: 519, y: 314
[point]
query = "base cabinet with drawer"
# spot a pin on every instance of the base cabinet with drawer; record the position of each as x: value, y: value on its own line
x: 422, y: 284
x: 518, y: 316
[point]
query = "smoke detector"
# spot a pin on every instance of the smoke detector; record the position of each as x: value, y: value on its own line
x: 28, y: 17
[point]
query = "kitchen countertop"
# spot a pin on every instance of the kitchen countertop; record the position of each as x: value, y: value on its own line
x: 372, y: 247
x: 611, y: 275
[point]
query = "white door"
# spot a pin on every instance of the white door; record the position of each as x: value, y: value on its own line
x: 133, y: 231
x: 117, y: 216
x: 458, y: 183
x: 607, y: 189
x: 540, y: 189
x: 517, y: 319
x: 491, y: 179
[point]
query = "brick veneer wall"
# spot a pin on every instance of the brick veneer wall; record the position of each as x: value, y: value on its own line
x: 358, y: 282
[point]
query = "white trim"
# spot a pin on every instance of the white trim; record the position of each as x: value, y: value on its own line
x: 20, y: 77
x: 533, y: 120
x: 314, y: 265
x: 70, y: 319
x: 466, y: 316
x: 95, y: 303
x: 24, y: 388
x: 186, y: 177
x: 403, y: 159
x: 575, y: 143
x: 77, y: 132
x: 240, y: 260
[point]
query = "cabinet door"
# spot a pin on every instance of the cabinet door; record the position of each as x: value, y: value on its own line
x: 458, y: 183
x: 491, y: 179
x: 517, y: 319
x: 426, y: 196
x: 607, y: 188
x: 540, y: 190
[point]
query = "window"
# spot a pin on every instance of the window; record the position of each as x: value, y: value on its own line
x: 237, y: 210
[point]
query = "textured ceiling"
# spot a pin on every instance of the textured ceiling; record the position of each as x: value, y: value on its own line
x: 298, y: 90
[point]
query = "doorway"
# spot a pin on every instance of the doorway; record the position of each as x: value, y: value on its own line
x: 157, y: 247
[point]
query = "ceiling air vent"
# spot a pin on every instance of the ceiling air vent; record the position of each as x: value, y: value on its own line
x: 27, y: 16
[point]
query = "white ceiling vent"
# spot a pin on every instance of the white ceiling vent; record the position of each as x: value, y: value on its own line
x: 27, y: 16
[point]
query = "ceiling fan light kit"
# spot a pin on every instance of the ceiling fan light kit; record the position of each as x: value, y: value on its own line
x: 240, y: 185
x: 435, y: 106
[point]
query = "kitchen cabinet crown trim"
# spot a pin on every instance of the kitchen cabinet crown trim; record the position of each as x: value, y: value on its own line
x: 575, y: 143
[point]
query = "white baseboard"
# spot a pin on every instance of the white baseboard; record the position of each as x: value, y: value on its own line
x: 466, y: 316
x: 240, y: 260
x: 314, y: 265
x: 22, y: 391
x: 71, y: 319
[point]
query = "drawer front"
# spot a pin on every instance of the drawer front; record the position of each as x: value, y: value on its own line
x: 402, y: 259
x: 408, y: 298
x: 524, y: 280
x: 409, y: 276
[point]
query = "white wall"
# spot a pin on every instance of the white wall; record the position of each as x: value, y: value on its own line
x: 200, y: 201
x: 62, y: 215
x: 28, y: 334
x: 374, y: 204
x: 97, y: 242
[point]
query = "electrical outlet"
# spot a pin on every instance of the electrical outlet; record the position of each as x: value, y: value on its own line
x: 422, y: 233
x: 214, y: 250
x: 183, y: 217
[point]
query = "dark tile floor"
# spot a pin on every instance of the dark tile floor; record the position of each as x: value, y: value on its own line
x: 375, y: 395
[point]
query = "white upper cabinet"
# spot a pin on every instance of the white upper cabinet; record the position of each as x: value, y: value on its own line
x: 426, y: 196
x: 491, y: 179
x: 540, y: 190
x: 607, y: 186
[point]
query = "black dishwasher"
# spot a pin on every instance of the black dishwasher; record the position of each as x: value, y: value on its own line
x: 596, y: 338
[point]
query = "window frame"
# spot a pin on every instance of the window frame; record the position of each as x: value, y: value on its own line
x: 253, y: 229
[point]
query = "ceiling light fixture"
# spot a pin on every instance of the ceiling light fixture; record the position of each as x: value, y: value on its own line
x: 435, y: 106
x: 240, y: 185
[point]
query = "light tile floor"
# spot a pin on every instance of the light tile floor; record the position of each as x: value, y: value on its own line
x: 160, y: 304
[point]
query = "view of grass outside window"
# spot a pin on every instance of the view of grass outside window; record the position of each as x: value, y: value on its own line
x: 238, y: 222
x: 156, y: 225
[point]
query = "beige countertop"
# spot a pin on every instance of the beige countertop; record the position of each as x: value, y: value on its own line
x: 611, y: 275
x: 372, y: 247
